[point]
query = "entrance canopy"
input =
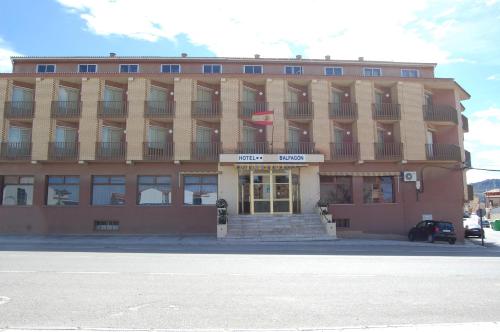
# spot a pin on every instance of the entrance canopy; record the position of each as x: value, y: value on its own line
x: 268, y: 167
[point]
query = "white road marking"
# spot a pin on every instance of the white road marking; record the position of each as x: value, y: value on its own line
x: 17, y: 271
x: 139, y: 307
x: 4, y: 299
x: 86, y: 272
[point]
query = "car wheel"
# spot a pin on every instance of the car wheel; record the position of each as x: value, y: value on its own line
x: 451, y: 241
x: 411, y: 237
x: 430, y: 239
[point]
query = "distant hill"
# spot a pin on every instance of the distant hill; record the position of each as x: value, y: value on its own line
x: 481, y: 187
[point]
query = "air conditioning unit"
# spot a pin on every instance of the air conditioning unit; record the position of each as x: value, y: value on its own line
x: 410, y: 176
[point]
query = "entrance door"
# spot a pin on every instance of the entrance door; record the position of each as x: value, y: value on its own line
x: 281, y: 192
x: 261, y: 193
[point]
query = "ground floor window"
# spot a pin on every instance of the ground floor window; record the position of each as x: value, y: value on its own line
x: 378, y: 189
x: 336, y: 189
x: 63, y: 190
x: 200, y: 190
x: 108, y: 190
x: 17, y: 190
x: 154, y: 190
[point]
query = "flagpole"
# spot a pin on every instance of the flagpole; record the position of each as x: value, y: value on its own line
x: 272, y: 135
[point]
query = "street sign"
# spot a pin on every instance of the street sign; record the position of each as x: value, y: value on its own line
x: 481, y: 213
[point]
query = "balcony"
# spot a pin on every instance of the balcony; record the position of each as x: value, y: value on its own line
x: 205, y: 151
x: 64, y: 150
x: 299, y: 110
x: 112, y: 109
x: 66, y: 109
x: 468, y: 159
x: 388, y: 151
x: 19, y: 109
x: 443, y: 152
x: 253, y: 147
x: 300, y: 147
x: 248, y: 108
x: 343, y: 111
x: 159, y: 109
x: 158, y: 151
x: 465, y: 124
x: 344, y: 151
x: 386, y: 111
x: 440, y: 113
x: 206, y: 109
x: 111, y: 151
x: 15, y: 151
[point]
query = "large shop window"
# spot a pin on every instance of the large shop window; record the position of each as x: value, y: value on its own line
x: 17, y: 190
x: 378, y: 189
x: 336, y: 189
x: 200, y: 190
x: 154, y: 190
x: 63, y: 190
x: 108, y: 190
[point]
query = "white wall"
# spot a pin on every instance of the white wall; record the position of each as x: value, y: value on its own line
x: 228, y: 187
x: 309, y: 188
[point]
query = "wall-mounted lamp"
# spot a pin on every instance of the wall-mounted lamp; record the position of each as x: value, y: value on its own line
x: 261, y: 93
x: 170, y: 131
x: 304, y: 132
x: 346, y: 95
x: 387, y: 95
x: 216, y: 131
x: 304, y: 94
x: 216, y: 92
x: 260, y: 130
x: 389, y: 133
x: 348, y: 133
x: 171, y: 93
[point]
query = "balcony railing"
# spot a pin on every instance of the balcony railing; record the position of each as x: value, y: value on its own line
x: 440, y: 113
x: 64, y: 150
x: 343, y: 111
x: 468, y: 159
x: 388, y: 151
x: 205, y: 151
x: 300, y: 147
x: 66, y: 109
x: 248, y: 108
x: 344, y: 151
x: 206, y: 109
x: 443, y: 152
x: 386, y: 111
x: 159, y: 109
x: 253, y: 147
x: 299, y: 110
x: 19, y: 109
x: 15, y: 151
x: 465, y: 124
x: 112, y: 109
x: 110, y: 150
x: 158, y: 151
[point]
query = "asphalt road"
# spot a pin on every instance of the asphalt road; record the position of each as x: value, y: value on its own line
x: 228, y: 286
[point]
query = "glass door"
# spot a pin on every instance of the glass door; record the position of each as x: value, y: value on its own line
x: 281, y: 192
x: 261, y: 193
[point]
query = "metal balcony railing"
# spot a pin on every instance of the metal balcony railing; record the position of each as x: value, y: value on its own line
x: 299, y: 110
x: 443, y: 152
x: 253, y: 147
x: 205, y: 151
x: 386, y: 111
x: 112, y: 109
x: 206, y: 109
x: 66, y: 109
x: 158, y: 151
x: 248, y: 108
x: 110, y: 150
x: 15, y: 151
x: 388, y: 151
x: 344, y: 151
x: 343, y: 111
x: 159, y: 109
x: 19, y: 109
x: 300, y: 147
x: 465, y: 124
x: 64, y: 150
x: 440, y: 113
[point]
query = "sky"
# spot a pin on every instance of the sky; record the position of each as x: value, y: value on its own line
x: 463, y: 37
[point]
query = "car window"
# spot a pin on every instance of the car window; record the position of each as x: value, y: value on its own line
x: 420, y: 224
x: 445, y: 225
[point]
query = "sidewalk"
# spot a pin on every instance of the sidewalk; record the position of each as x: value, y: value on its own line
x: 491, y: 238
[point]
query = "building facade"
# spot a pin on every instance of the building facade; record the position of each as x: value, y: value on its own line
x: 148, y: 144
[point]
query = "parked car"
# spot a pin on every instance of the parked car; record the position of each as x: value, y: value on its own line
x: 433, y: 230
x: 473, y: 230
x: 486, y: 223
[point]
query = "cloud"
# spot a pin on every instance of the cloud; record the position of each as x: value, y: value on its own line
x: 5, y: 53
x: 493, y: 78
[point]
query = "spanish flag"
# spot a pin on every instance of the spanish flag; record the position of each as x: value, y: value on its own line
x: 263, y: 118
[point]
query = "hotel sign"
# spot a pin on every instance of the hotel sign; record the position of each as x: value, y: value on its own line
x: 271, y: 158
x: 256, y: 158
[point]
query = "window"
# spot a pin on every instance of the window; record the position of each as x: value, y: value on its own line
x: 409, y: 73
x: 294, y: 70
x: 108, y: 190
x: 200, y: 190
x: 46, y: 68
x: 336, y: 189
x: 251, y: 69
x: 212, y: 69
x: 154, y: 190
x: 17, y: 190
x: 334, y: 71
x: 87, y: 68
x: 63, y: 190
x: 372, y: 72
x: 129, y: 68
x: 378, y: 189
x: 171, y: 69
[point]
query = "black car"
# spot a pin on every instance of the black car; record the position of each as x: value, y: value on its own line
x: 433, y: 230
x: 474, y: 230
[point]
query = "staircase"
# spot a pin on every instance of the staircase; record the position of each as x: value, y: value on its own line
x: 267, y: 227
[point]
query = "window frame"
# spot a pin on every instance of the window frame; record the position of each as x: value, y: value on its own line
x: 410, y: 70
x: 253, y: 66
x: 65, y: 184
x: 372, y: 68
x: 293, y: 66
x: 378, y: 178
x: 45, y: 64
x: 170, y: 64
x: 351, y: 189
x: 128, y: 66
x: 92, y: 184
x: 18, y: 177
x: 87, y: 64
x: 201, y: 183
x: 211, y: 71
x: 156, y: 176
x: 341, y: 71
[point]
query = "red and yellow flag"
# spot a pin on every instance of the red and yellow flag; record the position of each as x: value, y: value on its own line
x: 263, y: 118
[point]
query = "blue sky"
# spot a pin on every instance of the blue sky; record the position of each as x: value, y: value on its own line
x: 463, y: 37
